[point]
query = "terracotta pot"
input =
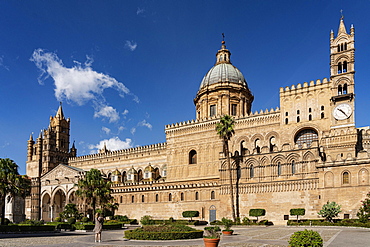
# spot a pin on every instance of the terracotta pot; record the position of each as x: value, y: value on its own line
x: 211, y: 242
x: 227, y: 232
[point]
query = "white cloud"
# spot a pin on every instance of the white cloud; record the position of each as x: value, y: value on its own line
x: 106, y: 130
x: 131, y: 45
x: 140, y: 11
x: 125, y: 112
x: 2, y: 63
x: 106, y: 111
x: 80, y: 83
x: 144, y: 123
x: 113, y: 144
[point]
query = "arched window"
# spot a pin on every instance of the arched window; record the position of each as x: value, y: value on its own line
x: 192, y: 157
x: 182, y: 196
x: 345, y: 178
x: 212, y: 195
x: 251, y: 172
x: 156, y: 197
x: 257, y: 146
x: 339, y: 68
x: 322, y: 115
x: 197, y: 196
x: 132, y: 199
x: 293, y: 167
x: 170, y: 197
x: 120, y: 199
x: 340, y: 90
x: 272, y: 143
x: 140, y: 175
x: 298, y: 111
x: 242, y: 148
x: 309, y: 117
x: 279, y: 169
x: 322, y: 107
x: 233, y: 110
x: 342, y: 47
x: 345, y: 46
x: 306, y: 136
x: 212, y: 110
x: 298, y: 119
x: 344, y: 66
x: 345, y: 89
x: 286, y: 121
x: 142, y: 198
x: 338, y: 48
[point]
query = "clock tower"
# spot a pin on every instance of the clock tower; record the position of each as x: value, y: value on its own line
x: 342, y: 72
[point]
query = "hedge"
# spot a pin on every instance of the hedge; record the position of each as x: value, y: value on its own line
x: 322, y: 222
x: 257, y: 212
x: 131, y: 234
x: 26, y: 228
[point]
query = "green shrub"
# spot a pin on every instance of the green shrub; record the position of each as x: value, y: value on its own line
x: 190, y: 214
x: 246, y: 221
x: 64, y: 226
x: 297, y: 212
x: 227, y: 223
x: 163, y: 232
x: 58, y: 219
x: 147, y: 220
x: 6, y: 221
x: 85, y: 219
x: 211, y: 232
x: 71, y: 220
x: 306, y: 238
x: 256, y: 212
x: 121, y: 218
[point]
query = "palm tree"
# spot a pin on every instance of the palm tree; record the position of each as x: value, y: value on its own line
x: 11, y: 183
x: 94, y: 189
x: 225, y: 129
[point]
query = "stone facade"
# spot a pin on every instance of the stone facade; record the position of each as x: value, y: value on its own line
x: 300, y: 155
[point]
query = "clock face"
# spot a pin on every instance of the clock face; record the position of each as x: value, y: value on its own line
x: 342, y: 111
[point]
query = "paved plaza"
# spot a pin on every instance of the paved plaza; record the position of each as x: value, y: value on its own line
x: 274, y: 236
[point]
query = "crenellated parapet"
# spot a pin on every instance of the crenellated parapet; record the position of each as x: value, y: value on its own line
x: 263, y: 117
x: 305, y: 87
x: 123, y: 152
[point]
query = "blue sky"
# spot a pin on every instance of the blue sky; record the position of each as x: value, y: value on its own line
x: 125, y: 69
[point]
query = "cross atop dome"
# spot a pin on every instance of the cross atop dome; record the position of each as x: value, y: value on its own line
x: 223, y: 55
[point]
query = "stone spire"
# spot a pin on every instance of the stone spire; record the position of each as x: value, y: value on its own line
x: 60, y: 114
x: 342, y: 27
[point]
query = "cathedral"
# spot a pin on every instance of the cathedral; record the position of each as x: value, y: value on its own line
x: 301, y: 154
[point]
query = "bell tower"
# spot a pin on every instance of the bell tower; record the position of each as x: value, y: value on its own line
x: 342, y: 73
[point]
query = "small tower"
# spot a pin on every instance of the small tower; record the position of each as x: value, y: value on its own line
x: 342, y: 72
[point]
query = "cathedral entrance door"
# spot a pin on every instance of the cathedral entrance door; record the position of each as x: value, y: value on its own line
x: 212, y: 214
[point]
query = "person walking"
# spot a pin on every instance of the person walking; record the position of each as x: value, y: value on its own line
x: 99, y: 220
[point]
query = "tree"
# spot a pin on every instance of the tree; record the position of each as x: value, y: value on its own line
x: 364, y: 211
x: 110, y: 208
x: 70, y: 210
x: 256, y: 212
x: 297, y: 211
x: 11, y: 184
x: 94, y: 189
x: 330, y: 210
x: 225, y: 130
x: 190, y: 214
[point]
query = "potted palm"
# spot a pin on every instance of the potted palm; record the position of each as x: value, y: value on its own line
x: 227, y: 223
x: 211, y: 236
